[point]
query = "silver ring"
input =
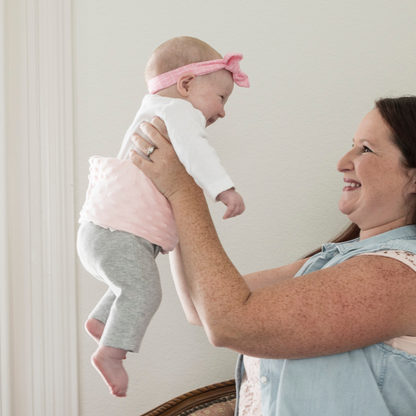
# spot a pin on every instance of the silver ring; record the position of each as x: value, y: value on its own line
x: 150, y: 150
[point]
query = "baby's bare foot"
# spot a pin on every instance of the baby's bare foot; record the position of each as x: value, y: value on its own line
x: 108, y: 362
x: 95, y: 328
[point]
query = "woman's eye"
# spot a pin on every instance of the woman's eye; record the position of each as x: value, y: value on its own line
x: 365, y: 149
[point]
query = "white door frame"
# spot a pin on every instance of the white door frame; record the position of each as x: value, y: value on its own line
x: 39, y: 276
x: 5, y: 375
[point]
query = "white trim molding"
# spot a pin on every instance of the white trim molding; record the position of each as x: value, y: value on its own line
x: 5, y: 373
x: 40, y: 203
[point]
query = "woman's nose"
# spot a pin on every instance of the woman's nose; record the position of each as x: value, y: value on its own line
x: 345, y: 163
x: 222, y: 113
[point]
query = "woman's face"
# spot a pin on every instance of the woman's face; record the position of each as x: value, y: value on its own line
x: 378, y: 187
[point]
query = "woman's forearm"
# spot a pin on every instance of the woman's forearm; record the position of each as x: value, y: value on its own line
x: 176, y: 267
x: 216, y: 288
x: 256, y: 280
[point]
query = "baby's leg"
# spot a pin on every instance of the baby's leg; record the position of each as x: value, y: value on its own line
x: 127, y: 265
x: 98, y: 317
x: 91, y: 246
x: 136, y: 284
x: 108, y: 362
x: 95, y: 328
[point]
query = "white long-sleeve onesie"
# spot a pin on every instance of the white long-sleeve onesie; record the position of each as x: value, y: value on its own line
x: 121, y: 197
x: 186, y: 127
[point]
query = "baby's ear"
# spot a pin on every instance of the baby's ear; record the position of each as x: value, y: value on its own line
x: 184, y: 83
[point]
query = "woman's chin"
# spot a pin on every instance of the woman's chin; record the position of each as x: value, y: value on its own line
x: 344, y: 207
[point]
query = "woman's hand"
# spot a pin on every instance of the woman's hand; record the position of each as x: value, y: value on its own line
x: 164, y: 169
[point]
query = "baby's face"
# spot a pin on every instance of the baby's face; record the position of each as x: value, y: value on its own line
x: 210, y: 93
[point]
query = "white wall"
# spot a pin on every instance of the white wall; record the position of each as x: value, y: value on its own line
x: 315, y: 69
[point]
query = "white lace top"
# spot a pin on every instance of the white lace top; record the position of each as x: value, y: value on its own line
x: 407, y: 344
x: 250, y: 392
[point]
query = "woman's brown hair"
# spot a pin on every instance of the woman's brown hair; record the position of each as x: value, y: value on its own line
x: 400, y: 115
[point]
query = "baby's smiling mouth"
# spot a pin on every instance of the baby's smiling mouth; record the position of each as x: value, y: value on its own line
x: 211, y: 121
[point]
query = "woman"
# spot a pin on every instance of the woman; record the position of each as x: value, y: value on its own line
x: 322, y: 336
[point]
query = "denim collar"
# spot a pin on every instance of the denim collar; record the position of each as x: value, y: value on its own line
x: 402, y: 233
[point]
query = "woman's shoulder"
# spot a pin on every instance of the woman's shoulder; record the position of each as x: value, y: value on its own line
x: 403, y: 343
x: 403, y: 256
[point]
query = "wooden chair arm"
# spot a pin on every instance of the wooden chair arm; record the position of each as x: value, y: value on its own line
x: 198, y: 399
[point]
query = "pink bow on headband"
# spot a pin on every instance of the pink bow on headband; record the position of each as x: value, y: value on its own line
x: 230, y: 63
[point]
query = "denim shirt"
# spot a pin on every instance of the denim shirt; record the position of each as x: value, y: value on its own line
x: 377, y: 380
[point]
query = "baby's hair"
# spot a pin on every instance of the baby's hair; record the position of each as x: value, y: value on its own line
x: 178, y: 52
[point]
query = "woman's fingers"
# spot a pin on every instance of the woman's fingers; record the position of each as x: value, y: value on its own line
x: 156, y: 132
x: 143, y: 145
x: 137, y: 159
x: 159, y: 141
x: 153, y: 134
x: 164, y: 168
x: 161, y: 126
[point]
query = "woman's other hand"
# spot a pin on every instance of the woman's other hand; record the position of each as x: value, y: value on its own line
x: 164, y: 168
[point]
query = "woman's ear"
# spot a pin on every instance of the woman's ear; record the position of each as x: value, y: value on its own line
x: 412, y: 184
x: 184, y: 83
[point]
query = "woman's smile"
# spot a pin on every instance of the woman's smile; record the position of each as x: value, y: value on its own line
x: 375, y: 192
x: 351, y: 185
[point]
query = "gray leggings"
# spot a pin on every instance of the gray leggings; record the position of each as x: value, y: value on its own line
x: 126, y: 263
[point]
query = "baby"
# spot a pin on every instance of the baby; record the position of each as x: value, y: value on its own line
x: 126, y: 221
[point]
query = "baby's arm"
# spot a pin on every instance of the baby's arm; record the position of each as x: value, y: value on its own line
x: 233, y: 201
x: 186, y: 128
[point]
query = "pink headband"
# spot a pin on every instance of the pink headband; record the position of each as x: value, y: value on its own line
x: 230, y: 63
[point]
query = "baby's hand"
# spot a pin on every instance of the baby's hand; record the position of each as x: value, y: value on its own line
x: 233, y: 201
